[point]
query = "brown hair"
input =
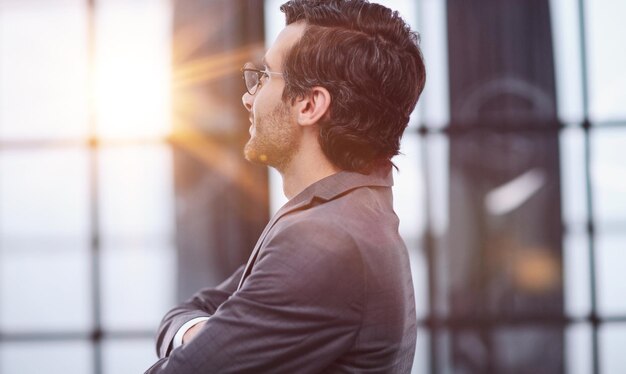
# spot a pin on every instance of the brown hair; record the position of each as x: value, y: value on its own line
x: 369, y: 60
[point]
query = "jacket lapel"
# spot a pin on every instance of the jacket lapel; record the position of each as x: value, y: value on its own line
x: 281, y: 212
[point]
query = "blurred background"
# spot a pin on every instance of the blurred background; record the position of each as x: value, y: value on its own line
x: 123, y: 188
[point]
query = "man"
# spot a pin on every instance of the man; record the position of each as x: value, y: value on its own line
x: 328, y: 285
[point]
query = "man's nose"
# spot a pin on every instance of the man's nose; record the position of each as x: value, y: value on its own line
x: 247, y: 101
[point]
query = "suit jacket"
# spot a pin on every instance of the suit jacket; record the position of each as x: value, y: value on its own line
x: 327, y: 289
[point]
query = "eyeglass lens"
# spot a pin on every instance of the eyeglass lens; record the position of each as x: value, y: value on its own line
x: 251, y: 79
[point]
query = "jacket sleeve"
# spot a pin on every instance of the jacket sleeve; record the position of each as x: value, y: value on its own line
x: 298, y: 311
x: 203, y: 303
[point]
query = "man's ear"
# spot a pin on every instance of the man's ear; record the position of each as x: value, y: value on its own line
x: 313, y: 106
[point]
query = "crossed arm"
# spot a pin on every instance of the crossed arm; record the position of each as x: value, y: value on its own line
x: 298, y: 311
x: 202, y: 304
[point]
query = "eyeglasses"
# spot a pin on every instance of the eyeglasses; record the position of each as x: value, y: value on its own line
x: 254, y: 77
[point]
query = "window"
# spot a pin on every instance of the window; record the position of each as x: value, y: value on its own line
x: 87, y: 261
x: 87, y: 210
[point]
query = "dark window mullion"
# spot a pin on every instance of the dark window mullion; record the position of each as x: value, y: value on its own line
x: 594, y: 317
x: 94, y: 194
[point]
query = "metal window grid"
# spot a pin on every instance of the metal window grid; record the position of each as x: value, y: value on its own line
x: 432, y: 323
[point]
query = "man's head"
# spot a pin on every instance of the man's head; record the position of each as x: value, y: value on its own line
x: 365, y: 62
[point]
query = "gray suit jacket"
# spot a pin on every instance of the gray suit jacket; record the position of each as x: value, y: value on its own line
x: 327, y: 289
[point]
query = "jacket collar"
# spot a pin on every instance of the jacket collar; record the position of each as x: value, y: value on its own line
x: 336, y: 184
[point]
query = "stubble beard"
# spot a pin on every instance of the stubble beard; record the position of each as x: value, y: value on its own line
x: 275, y: 141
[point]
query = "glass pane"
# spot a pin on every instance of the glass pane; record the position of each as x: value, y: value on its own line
x: 138, y: 286
x: 442, y: 347
x: 501, y: 350
x: 44, y: 194
x: 133, y: 68
x: 576, y: 274
x: 566, y: 42
x: 419, y: 272
x: 613, y: 341
x: 45, y: 289
x: 408, y: 189
x: 611, y: 257
x: 435, y: 104
x: 136, y: 192
x: 520, y: 349
x: 128, y: 356
x: 578, y: 349
x: 274, y: 20
x: 43, y: 90
x: 46, y: 357
x: 438, y: 175
x: 422, y: 350
x: 607, y: 77
x: 609, y: 177
x: 573, y: 179
x: 277, y: 196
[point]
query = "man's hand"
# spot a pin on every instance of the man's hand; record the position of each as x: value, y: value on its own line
x: 192, y: 332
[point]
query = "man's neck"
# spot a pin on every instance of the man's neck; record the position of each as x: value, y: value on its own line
x: 303, y: 172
